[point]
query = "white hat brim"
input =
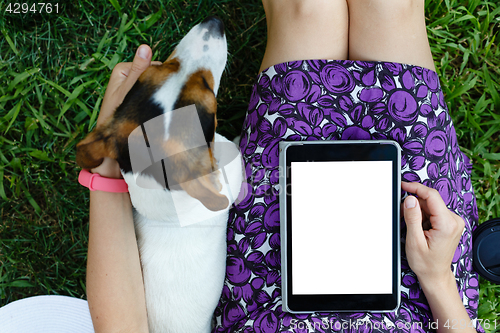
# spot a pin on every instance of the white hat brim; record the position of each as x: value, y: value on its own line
x: 50, y: 313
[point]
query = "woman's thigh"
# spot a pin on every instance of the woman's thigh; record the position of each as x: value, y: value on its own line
x: 389, y: 30
x: 305, y: 29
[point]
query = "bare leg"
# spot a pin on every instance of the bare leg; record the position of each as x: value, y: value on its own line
x: 305, y: 29
x: 389, y: 30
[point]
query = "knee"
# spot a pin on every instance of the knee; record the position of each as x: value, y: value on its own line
x: 299, y: 10
x: 403, y: 8
x: 391, y: 8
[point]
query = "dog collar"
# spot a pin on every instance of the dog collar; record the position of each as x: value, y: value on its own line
x: 95, y: 182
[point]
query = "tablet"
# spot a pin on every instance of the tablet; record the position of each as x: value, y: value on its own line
x: 339, y: 211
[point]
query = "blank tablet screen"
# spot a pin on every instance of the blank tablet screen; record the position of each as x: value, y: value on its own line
x: 342, y: 227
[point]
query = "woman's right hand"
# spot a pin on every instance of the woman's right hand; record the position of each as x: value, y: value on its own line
x: 430, y: 252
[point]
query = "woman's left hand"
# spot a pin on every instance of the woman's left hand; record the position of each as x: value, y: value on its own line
x: 123, y: 77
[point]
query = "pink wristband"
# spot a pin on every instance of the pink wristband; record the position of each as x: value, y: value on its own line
x: 95, y: 182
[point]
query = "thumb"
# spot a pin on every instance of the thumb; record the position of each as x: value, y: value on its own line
x: 413, y: 218
x: 141, y: 62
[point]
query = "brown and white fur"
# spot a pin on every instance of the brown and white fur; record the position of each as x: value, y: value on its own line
x: 183, y: 266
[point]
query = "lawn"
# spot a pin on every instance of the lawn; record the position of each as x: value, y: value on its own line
x: 54, y: 68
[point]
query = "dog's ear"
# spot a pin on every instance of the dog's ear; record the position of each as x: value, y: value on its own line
x: 207, y: 190
x: 90, y: 152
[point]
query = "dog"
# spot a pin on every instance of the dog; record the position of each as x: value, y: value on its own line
x: 180, y: 203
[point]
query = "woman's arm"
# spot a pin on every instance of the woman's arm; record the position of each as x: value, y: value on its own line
x: 446, y: 304
x: 430, y: 253
x: 115, y: 289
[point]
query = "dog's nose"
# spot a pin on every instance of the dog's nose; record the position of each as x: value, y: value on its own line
x: 214, y: 25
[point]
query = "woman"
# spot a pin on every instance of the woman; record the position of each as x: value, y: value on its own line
x: 297, y: 99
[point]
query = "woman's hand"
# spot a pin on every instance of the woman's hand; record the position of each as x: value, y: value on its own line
x: 123, y: 77
x: 430, y: 252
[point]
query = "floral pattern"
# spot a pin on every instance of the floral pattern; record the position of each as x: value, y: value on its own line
x: 340, y: 100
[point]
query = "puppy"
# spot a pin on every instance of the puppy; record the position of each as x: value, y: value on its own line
x: 182, y: 178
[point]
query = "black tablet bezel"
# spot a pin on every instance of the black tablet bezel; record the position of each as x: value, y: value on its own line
x: 337, y: 151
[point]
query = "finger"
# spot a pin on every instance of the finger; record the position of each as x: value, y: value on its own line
x: 111, y: 100
x: 424, y: 207
x: 142, y: 61
x: 460, y: 222
x: 434, y: 204
x: 118, y: 75
x: 413, y: 220
x: 455, y: 225
x: 421, y: 202
x: 120, y: 72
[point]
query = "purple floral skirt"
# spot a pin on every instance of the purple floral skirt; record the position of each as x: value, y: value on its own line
x: 340, y: 100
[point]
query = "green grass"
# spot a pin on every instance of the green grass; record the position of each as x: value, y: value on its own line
x: 53, y: 73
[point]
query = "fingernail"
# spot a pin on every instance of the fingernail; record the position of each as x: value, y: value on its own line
x: 410, y: 202
x: 143, y: 52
